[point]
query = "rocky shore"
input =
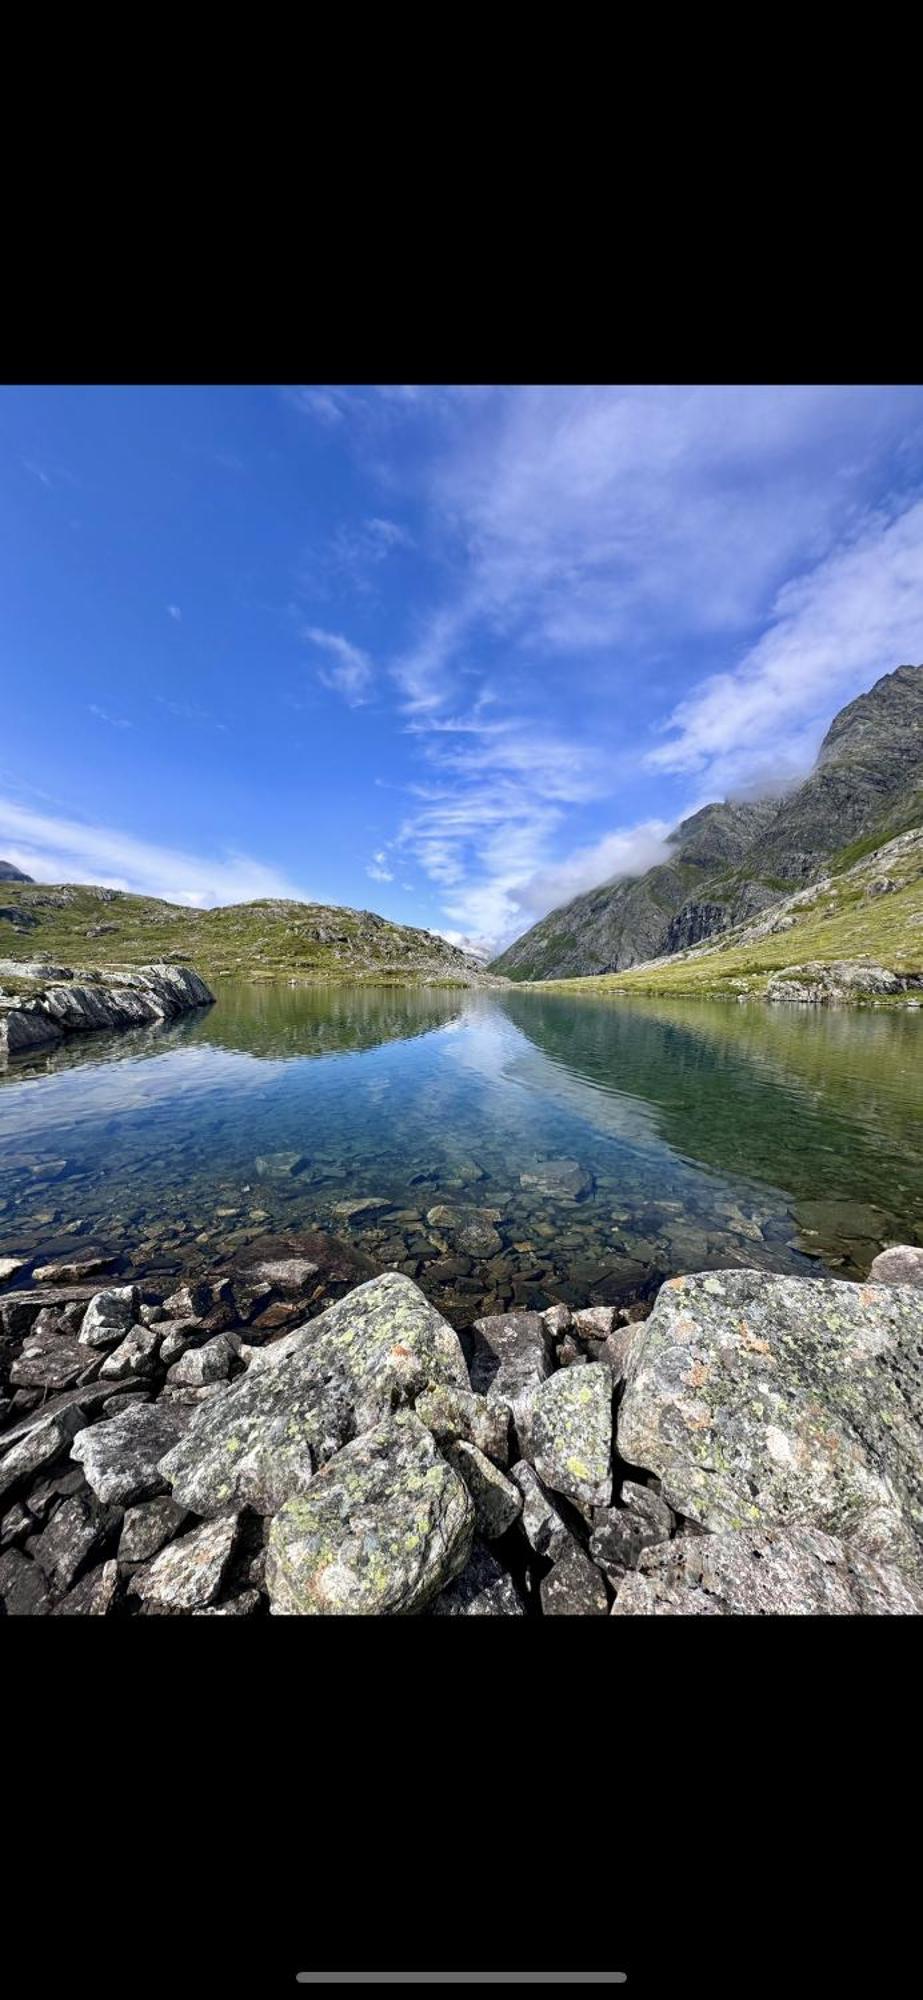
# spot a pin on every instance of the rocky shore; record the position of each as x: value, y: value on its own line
x: 43, y: 1003
x: 297, y: 1438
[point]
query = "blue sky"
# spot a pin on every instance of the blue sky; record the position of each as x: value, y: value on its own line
x: 451, y: 654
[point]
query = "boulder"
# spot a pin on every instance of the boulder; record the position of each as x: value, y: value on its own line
x: 9, y: 1267
x: 137, y: 1354
x: 75, y: 1532
x: 751, y: 1572
x: 383, y: 1528
x: 765, y: 1401
x: 261, y: 1439
x: 542, y: 1525
x: 199, y: 1365
x: 459, y: 1413
x: 469, y: 1230
x: 558, y: 1179
x: 93, y: 1596
x: 109, y: 1316
x: 44, y: 1441
x: 572, y: 1435
x: 286, y: 1274
x: 23, y: 1590
x: 902, y: 1264
x: 497, y: 1501
x: 121, y: 1457
x: 48, y: 1359
x: 147, y: 1527
x: 190, y: 1572
x: 483, y: 1590
x: 574, y: 1587
x: 512, y: 1357
x: 72, y: 1271
x: 620, y: 1533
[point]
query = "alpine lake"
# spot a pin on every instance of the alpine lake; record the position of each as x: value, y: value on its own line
x: 503, y: 1147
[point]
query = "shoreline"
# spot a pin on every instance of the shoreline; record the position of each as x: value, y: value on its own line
x: 207, y: 1447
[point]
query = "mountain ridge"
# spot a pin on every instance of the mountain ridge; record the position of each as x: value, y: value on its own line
x: 731, y: 860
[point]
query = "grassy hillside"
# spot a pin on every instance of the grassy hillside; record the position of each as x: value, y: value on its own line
x: 88, y: 927
x: 847, y: 915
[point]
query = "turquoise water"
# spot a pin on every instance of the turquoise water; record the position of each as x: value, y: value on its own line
x: 698, y: 1134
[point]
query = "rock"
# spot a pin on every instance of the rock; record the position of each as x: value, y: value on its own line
x: 136, y: 1355
x: 559, y: 1179
x: 843, y: 1221
x: 818, y: 985
x: 42, y: 1443
x: 557, y: 1320
x: 765, y: 1401
x: 188, y: 1301
x: 23, y: 1589
x: 572, y: 1435
x: 20, y: 1310
x: 9, y: 1267
x: 15, y: 1522
x: 594, y: 1322
x: 569, y: 1354
x: 48, y: 1359
x: 236, y: 1607
x: 21, y: 1031
x: 764, y: 1572
x: 74, y: 1533
x: 199, y: 1365
x: 287, y: 1274
x: 459, y: 1413
x: 146, y: 1528
x: 384, y: 1527
x: 497, y: 1502
x: 109, y: 1316
x: 121, y: 1457
x: 469, y: 1230
x: 60, y: 1484
x: 278, y: 1166
x: 616, y: 1349
x: 260, y: 1439
x: 368, y: 1205
x: 73, y: 1272
x: 574, y: 1587
x: 620, y: 1533
x: 483, y: 1590
x: 93, y: 1596
x: 512, y: 1357
x: 544, y: 1529
x: 900, y: 1265
x: 190, y: 1572
x: 176, y: 1335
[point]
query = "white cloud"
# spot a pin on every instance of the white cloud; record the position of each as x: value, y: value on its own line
x: 352, y: 674
x: 58, y: 849
x: 378, y: 868
x: 115, y: 721
x: 628, y: 851
x: 834, y: 630
x: 173, y: 611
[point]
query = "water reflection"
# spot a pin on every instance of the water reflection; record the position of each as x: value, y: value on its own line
x: 705, y: 1134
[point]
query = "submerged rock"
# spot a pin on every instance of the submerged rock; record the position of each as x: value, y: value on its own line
x: 762, y: 1572
x: 261, y: 1439
x: 384, y: 1526
x: 483, y: 1590
x: 558, y: 1179
x: 572, y: 1435
x: 768, y: 1401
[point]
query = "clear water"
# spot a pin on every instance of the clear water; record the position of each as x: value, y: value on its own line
x: 709, y: 1134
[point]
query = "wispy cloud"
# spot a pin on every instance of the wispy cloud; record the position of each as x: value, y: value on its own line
x: 53, y: 848
x: 173, y: 611
x: 378, y: 867
x: 833, y: 630
x: 114, y: 721
x: 186, y: 711
x: 352, y: 672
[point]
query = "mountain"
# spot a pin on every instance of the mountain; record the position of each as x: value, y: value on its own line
x: 87, y: 926
x: 10, y: 874
x: 732, y: 861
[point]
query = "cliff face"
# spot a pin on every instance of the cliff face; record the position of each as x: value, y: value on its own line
x: 733, y: 861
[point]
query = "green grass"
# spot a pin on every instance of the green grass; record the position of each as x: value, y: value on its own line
x: 262, y: 940
x: 844, y: 922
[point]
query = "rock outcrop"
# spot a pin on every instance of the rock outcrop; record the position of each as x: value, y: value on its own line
x: 129, y: 999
